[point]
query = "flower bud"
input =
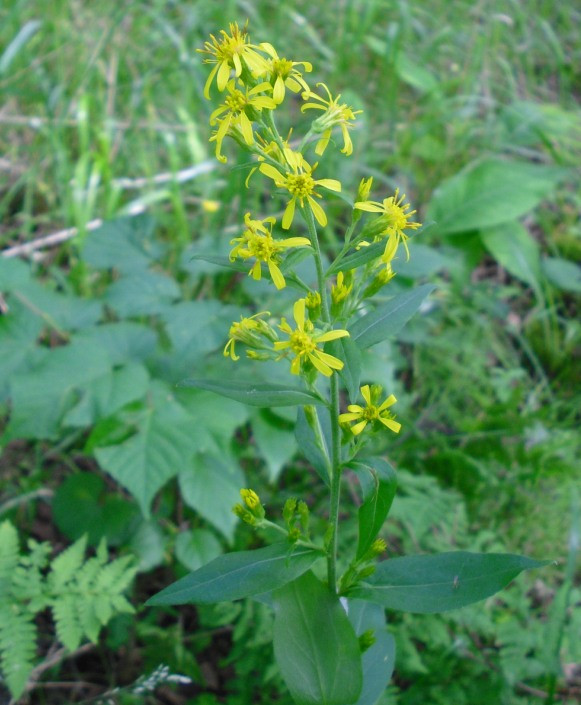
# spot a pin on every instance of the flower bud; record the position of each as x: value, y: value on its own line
x: 366, y: 640
x: 289, y: 509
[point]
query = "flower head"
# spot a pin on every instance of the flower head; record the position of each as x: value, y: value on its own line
x: 303, y: 343
x: 236, y: 113
x: 341, y: 290
x: 283, y: 73
x: 371, y: 412
x: 257, y: 242
x: 334, y: 113
x: 298, y: 181
x: 249, y: 331
x: 395, y: 216
x: 227, y: 52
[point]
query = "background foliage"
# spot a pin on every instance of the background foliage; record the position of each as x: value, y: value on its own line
x: 472, y: 110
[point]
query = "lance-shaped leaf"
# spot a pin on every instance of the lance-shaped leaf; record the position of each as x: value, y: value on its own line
x: 255, y: 393
x: 379, y: 483
x: 315, y: 645
x: 427, y: 584
x: 357, y: 258
x: 237, y: 575
x: 378, y: 661
x: 388, y: 319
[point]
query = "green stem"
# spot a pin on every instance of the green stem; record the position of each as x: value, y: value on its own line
x: 334, y: 411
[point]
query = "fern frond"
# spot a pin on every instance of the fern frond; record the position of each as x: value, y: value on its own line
x: 67, y: 564
x: 17, y: 646
x: 65, y: 612
x: 9, y: 555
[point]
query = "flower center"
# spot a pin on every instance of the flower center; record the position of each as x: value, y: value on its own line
x: 228, y: 46
x: 301, y: 343
x: 300, y: 185
x: 263, y: 248
x: 282, y: 67
x: 370, y: 413
x: 236, y: 102
x: 396, y: 217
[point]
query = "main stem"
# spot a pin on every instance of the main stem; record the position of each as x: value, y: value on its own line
x: 334, y: 410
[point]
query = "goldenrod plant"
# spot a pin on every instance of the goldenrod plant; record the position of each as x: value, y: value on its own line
x: 330, y: 638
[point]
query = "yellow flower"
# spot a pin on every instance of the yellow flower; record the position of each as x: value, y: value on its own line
x: 300, y: 184
x: 387, y: 257
x: 234, y: 113
x: 283, y: 73
x: 257, y: 242
x: 334, y: 113
x: 396, y: 216
x: 228, y: 51
x: 370, y: 413
x: 303, y: 343
x: 340, y: 291
x: 247, y: 331
x: 250, y: 498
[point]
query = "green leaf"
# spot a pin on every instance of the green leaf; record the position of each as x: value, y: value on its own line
x: 315, y: 645
x: 42, y: 395
x: 512, y: 247
x: 346, y: 350
x: 211, y: 485
x: 388, y: 319
x: 105, y: 395
x: 357, y: 258
x: 490, y: 192
x: 124, y: 341
x: 125, y: 244
x: 142, y: 293
x: 256, y: 393
x: 19, y: 331
x: 415, y: 75
x: 223, y: 261
x: 196, y: 548
x: 379, y: 660
x: 315, y: 446
x: 427, y: 584
x: 563, y: 274
x: 275, y: 440
x: 379, y: 483
x: 237, y: 575
x: 65, y: 311
x: 164, y: 444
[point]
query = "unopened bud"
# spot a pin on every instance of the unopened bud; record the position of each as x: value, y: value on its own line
x: 366, y: 572
x: 289, y: 509
x: 366, y: 640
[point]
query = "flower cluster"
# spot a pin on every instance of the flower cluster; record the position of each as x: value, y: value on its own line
x: 253, y: 81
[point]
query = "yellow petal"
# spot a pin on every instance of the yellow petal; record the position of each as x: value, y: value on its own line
x: 256, y: 271
x: 223, y: 75
x: 323, y: 369
x: 331, y: 335
x: 318, y: 212
x: 388, y: 402
x: 370, y: 206
x: 330, y: 360
x: 293, y: 242
x: 344, y: 418
x: 209, y: 82
x: 246, y: 128
x: 331, y: 184
x: 295, y: 367
x: 299, y: 313
x: 348, y: 145
x: 276, y: 275
x: 237, y: 64
x: 289, y: 214
x: 323, y: 143
x: 391, y: 424
x: 278, y: 93
x: 273, y: 173
x: 356, y: 430
x: 366, y: 394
